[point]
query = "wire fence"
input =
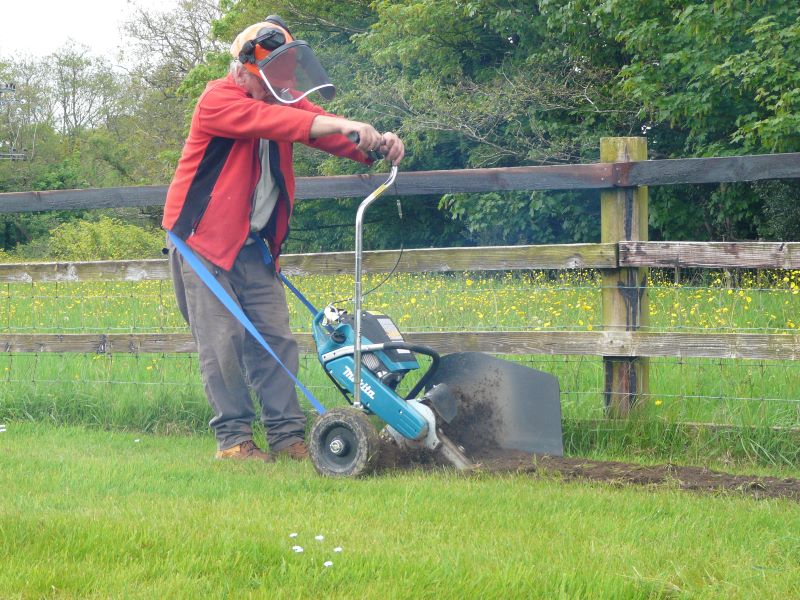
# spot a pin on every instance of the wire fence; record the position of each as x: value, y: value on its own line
x: 138, y: 390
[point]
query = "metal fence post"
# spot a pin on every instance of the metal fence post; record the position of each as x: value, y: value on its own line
x: 624, y: 294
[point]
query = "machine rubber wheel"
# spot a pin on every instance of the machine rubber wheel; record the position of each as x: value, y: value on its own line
x: 344, y: 443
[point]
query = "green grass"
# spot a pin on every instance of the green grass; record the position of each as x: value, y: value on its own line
x: 88, y: 514
x: 162, y: 393
x: 767, y: 301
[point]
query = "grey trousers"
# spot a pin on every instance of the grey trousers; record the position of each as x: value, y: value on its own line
x: 231, y: 361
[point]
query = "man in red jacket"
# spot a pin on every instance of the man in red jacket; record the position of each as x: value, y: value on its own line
x: 235, y: 180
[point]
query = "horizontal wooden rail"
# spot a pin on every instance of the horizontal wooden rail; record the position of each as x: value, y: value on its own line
x: 724, y: 169
x: 119, y: 197
x: 417, y: 183
x: 440, y: 260
x: 100, y: 270
x: 622, y: 344
x: 748, y: 255
x: 495, y: 258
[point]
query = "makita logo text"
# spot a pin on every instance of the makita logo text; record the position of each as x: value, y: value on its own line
x: 365, y: 387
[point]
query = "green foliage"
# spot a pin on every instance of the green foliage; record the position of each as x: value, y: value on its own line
x: 781, y: 219
x: 710, y: 78
x: 82, y: 125
x: 483, y: 84
x: 65, y: 175
x: 19, y: 230
x: 194, y: 83
x: 105, y: 239
x: 329, y: 225
x: 450, y: 38
x: 767, y: 69
x: 32, y: 229
x: 466, y: 83
x: 538, y: 218
x: 705, y: 212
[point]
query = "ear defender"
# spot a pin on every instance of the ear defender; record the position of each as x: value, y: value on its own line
x: 247, y: 53
x: 278, y: 21
x: 269, y: 39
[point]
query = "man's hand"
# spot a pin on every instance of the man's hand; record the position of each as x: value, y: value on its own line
x: 369, y: 139
x: 368, y: 136
x: 392, y: 148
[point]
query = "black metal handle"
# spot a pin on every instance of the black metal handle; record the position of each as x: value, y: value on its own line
x: 373, y: 154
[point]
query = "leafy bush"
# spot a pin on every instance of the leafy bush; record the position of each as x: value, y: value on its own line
x: 781, y: 210
x: 105, y: 239
x: 511, y: 218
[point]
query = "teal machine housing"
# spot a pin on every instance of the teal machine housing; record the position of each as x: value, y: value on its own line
x: 385, y: 361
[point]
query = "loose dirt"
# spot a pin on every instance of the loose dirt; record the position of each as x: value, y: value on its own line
x: 695, y: 479
x: 479, y: 427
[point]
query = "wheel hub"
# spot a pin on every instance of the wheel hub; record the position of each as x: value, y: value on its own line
x: 338, y: 446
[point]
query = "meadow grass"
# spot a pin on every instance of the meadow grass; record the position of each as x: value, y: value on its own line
x: 162, y: 393
x: 86, y: 513
x: 765, y: 301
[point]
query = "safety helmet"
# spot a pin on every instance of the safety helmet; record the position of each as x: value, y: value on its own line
x: 288, y: 67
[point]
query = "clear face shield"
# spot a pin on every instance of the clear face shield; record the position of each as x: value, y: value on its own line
x: 291, y: 72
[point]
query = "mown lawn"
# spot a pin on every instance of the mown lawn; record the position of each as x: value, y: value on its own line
x: 87, y: 513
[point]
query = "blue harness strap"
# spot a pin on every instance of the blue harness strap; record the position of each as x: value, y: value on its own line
x: 267, y: 256
x: 234, y: 308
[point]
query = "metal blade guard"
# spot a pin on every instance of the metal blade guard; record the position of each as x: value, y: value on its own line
x: 500, y: 405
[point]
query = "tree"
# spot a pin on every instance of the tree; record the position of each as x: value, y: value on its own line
x: 85, y: 89
x: 168, y: 45
x: 104, y: 239
x: 466, y: 83
x: 710, y: 78
x: 488, y: 83
x: 27, y: 112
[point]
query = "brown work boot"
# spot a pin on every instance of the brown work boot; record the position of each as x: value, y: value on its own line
x: 296, y: 451
x: 245, y: 450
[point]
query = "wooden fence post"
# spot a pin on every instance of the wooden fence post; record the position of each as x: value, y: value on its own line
x: 624, y: 294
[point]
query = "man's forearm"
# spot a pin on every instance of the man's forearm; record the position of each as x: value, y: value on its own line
x: 323, y: 125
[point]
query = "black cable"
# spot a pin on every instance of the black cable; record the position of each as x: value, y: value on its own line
x: 399, y: 258
x: 394, y: 268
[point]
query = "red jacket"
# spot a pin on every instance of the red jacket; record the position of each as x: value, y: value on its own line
x: 210, y: 198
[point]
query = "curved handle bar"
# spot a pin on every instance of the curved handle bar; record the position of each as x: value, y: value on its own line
x: 357, y: 275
